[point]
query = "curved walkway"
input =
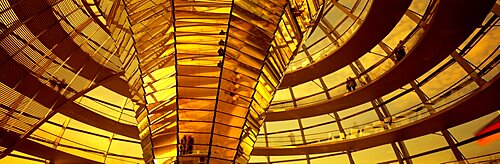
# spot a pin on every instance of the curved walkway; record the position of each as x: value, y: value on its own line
x: 43, y: 23
x: 380, y: 20
x: 24, y: 82
x: 483, y: 101
x: 452, y: 23
x: 38, y: 150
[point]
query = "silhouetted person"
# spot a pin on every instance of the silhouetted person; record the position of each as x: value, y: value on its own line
x: 222, y: 32
x: 292, y: 138
x: 347, y: 84
x: 190, y: 143
x: 400, y: 43
x: 57, y: 84
x: 400, y: 51
x: 221, y: 51
x: 232, y: 94
x: 350, y: 84
x: 62, y: 84
x: 353, y: 84
x: 221, y: 42
x: 234, y: 97
x: 53, y: 83
x: 219, y: 64
x: 183, y: 145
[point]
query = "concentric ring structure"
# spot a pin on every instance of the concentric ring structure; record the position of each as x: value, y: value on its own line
x: 249, y: 81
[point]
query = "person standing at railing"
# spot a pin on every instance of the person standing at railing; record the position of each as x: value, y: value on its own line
x: 190, y: 143
x: 292, y: 138
x: 183, y: 145
x: 350, y: 84
x: 220, y: 51
x: 400, y: 51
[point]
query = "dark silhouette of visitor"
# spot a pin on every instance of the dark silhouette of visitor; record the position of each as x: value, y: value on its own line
x: 353, y: 84
x: 222, y: 32
x: 292, y: 138
x: 221, y: 51
x: 62, y: 85
x: 221, y: 42
x: 190, y: 143
x: 53, y: 83
x: 183, y: 145
x: 234, y: 97
x: 57, y: 84
x: 400, y: 51
x: 350, y: 84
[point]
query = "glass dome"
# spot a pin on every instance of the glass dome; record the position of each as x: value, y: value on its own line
x: 249, y: 81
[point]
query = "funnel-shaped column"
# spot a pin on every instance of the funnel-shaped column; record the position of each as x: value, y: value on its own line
x: 210, y: 70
